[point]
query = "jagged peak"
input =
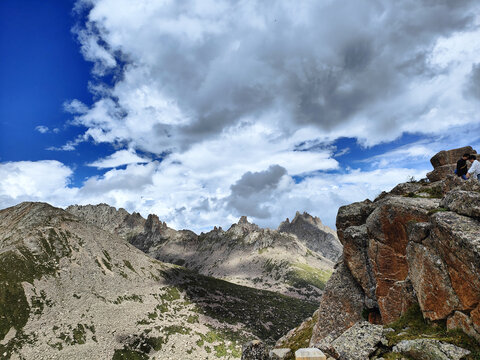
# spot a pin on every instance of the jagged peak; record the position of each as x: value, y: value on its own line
x: 243, y: 220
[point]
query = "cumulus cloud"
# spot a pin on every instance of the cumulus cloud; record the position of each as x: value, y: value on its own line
x: 46, y: 180
x: 363, y: 69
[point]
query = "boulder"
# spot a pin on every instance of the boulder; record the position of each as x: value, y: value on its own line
x: 462, y: 321
x: 360, y: 341
x: 355, y: 254
x: 441, y: 172
x: 254, y: 350
x: 353, y: 215
x: 444, y: 267
x: 445, y: 157
x: 340, y: 308
x: 429, y: 349
x: 388, y: 239
x: 280, y: 354
x: 406, y: 188
x: 463, y: 202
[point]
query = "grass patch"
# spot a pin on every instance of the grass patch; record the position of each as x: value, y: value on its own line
x: 412, y: 326
x: 128, y: 264
x: 303, y: 276
x: 434, y: 211
x: 301, y: 338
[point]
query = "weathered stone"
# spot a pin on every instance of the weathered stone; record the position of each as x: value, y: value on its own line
x: 462, y: 321
x: 406, y: 188
x: 475, y: 316
x: 418, y: 231
x: 430, y: 279
x: 360, y: 341
x: 280, y: 354
x: 254, y: 350
x: 462, y: 202
x: 309, y: 354
x: 445, y: 157
x: 444, y: 269
x: 441, y: 172
x: 352, y: 215
x: 355, y: 254
x: 428, y: 349
x: 387, y: 230
x: 340, y: 308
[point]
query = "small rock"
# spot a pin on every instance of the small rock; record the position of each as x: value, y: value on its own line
x: 429, y: 349
x: 254, y: 350
x: 360, y: 341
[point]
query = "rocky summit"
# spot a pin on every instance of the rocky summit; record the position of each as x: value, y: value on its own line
x: 71, y: 290
x: 410, y: 267
x: 295, y: 260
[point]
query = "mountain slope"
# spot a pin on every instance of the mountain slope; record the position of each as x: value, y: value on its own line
x: 71, y: 290
x: 289, y: 261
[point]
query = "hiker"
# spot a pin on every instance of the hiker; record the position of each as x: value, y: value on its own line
x: 474, y: 169
x: 462, y: 168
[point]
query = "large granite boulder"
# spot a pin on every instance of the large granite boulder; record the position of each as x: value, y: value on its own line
x: 387, y: 230
x: 445, y: 268
x: 445, y: 157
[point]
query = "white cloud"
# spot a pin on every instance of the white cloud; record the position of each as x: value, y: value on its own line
x: 42, y: 129
x: 119, y: 158
x: 46, y: 180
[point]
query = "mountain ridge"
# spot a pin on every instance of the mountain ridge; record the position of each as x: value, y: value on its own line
x: 285, y: 260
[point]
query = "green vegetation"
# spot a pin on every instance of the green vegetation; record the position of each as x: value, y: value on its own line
x: 133, y: 297
x: 22, y: 265
x: 431, y: 192
x: 301, y: 338
x: 254, y: 308
x: 303, y: 276
x: 126, y: 354
x: 39, y: 302
x: 412, y: 325
x: 129, y: 265
x: 439, y: 209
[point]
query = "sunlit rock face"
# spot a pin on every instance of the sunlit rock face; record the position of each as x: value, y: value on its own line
x: 417, y: 244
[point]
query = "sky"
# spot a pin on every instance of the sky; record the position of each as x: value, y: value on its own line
x: 202, y: 111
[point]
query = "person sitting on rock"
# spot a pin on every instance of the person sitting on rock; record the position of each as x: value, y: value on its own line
x: 474, y: 169
x: 462, y: 168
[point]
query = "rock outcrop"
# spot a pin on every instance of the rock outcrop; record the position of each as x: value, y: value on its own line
x: 417, y: 245
x: 444, y: 162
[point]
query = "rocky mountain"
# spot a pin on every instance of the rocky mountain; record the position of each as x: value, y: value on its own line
x: 408, y: 282
x: 314, y: 235
x: 70, y: 290
x: 295, y: 260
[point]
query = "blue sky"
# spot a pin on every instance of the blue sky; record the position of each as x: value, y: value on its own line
x: 207, y: 110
